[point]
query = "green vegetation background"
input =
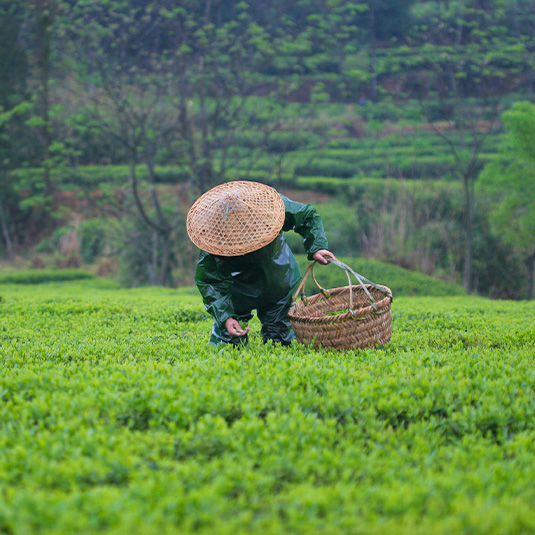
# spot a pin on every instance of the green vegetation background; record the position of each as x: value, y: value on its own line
x: 115, y: 116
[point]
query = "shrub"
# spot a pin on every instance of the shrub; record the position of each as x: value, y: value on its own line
x: 290, y: 141
x: 93, y: 236
x: 280, y: 141
x: 39, y: 276
x: 326, y: 167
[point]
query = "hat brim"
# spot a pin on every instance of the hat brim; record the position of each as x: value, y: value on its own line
x: 236, y: 218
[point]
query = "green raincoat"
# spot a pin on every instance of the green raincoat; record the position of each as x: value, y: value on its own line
x: 233, y: 286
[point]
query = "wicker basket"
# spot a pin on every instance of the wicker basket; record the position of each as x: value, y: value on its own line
x: 351, y: 317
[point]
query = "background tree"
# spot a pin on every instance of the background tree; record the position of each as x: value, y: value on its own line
x: 386, y: 20
x: 13, y: 111
x: 180, y: 95
x: 463, y: 77
x: 513, y: 214
x: 43, y: 14
x: 145, y: 105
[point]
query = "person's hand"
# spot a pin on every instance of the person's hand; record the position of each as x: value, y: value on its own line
x: 323, y: 256
x: 234, y: 328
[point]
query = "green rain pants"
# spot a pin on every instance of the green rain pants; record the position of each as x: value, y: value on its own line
x: 275, y: 325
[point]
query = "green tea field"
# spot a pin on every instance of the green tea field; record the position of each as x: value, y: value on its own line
x: 117, y: 417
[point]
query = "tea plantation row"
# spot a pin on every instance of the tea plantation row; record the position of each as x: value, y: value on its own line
x: 118, y: 417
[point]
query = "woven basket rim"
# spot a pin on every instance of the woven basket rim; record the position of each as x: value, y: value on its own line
x: 236, y: 218
x: 296, y: 311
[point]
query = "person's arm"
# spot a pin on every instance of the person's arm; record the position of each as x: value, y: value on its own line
x: 214, y: 282
x: 303, y: 219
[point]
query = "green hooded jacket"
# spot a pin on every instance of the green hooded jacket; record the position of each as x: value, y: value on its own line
x: 234, y: 285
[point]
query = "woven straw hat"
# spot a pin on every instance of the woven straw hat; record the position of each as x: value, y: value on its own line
x: 236, y: 218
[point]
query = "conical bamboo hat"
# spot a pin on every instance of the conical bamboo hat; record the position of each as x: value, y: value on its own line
x: 236, y: 218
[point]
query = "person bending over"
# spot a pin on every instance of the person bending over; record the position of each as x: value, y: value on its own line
x: 245, y: 263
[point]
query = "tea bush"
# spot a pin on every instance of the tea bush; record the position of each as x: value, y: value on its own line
x: 95, y: 174
x: 326, y: 167
x: 118, y: 417
x: 358, y: 186
x: 38, y: 276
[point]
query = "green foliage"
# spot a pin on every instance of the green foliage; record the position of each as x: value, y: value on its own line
x: 93, y: 235
x: 275, y: 141
x: 39, y: 276
x: 142, y: 254
x: 326, y: 167
x: 401, y: 281
x: 520, y: 121
x: 93, y: 175
x: 416, y: 224
x: 118, y: 417
x: 339, y: 186
x: 513, y: 207
x: 393, y: 19
x: 341, y: 227
x: 417, y: 155
x: 513, y: 212
x: 13, y: 56
x: 255, y: 90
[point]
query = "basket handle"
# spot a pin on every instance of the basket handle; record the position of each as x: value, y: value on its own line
x: 361, y: 280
